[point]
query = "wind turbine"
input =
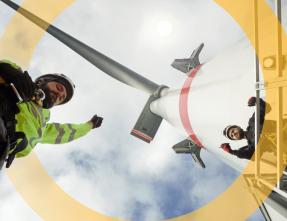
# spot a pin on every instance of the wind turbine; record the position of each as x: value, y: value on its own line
x: 213, y: 96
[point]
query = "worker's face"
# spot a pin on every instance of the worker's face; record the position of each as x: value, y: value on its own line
x: 57, y: 92
x: 236, y: 133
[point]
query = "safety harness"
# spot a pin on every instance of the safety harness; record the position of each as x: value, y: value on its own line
x: 13, y: 142
x: 14, y: 145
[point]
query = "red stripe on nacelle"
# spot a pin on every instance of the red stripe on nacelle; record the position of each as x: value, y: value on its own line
x: 144, y: 136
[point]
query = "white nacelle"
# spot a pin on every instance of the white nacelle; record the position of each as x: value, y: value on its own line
x: 218, y: 97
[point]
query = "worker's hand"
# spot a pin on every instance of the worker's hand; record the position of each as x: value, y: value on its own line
x: 96, y: 121
x: 251, y: 101
x: 226, y: 147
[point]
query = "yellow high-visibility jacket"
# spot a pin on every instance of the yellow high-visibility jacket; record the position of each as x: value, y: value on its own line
x: 32, y: 120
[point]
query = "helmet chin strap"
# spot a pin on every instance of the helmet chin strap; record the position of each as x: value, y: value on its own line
x: 47, y: 101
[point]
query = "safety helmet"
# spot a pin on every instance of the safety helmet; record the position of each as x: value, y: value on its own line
x: 226, y: 131
x: 60, y: 78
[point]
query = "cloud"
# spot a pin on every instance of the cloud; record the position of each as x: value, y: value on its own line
x: 148, y: 182
x: 11, y: 202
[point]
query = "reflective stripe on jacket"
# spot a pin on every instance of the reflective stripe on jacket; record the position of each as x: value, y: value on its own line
x: 32, y: 120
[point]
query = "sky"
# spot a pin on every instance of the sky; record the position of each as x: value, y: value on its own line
x: 148, y: 181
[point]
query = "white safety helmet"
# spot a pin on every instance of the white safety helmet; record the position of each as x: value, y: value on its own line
x: 61, y: 78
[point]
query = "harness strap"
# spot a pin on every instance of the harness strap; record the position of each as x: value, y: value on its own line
x: 8, y: 115
x: 12, y: 138
x: 4, y: 151
x: 4, y: 143
x: 18, y: 148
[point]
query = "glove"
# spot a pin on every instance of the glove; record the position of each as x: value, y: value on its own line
x: 21, y: 80
x: 96, y: 121
x: 251, y: 101
x: 226, y: 147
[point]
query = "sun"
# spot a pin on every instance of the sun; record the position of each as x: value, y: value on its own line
x: 164, y: 28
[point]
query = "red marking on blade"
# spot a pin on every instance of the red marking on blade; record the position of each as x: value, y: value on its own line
x: 183, y: 106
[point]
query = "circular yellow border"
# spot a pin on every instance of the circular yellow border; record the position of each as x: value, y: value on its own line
x: 47, y: 199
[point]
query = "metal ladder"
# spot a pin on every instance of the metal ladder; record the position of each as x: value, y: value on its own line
x: 259, y: 181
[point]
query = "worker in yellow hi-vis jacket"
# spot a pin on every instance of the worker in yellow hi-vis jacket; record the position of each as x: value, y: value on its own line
x: 24, y: 112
